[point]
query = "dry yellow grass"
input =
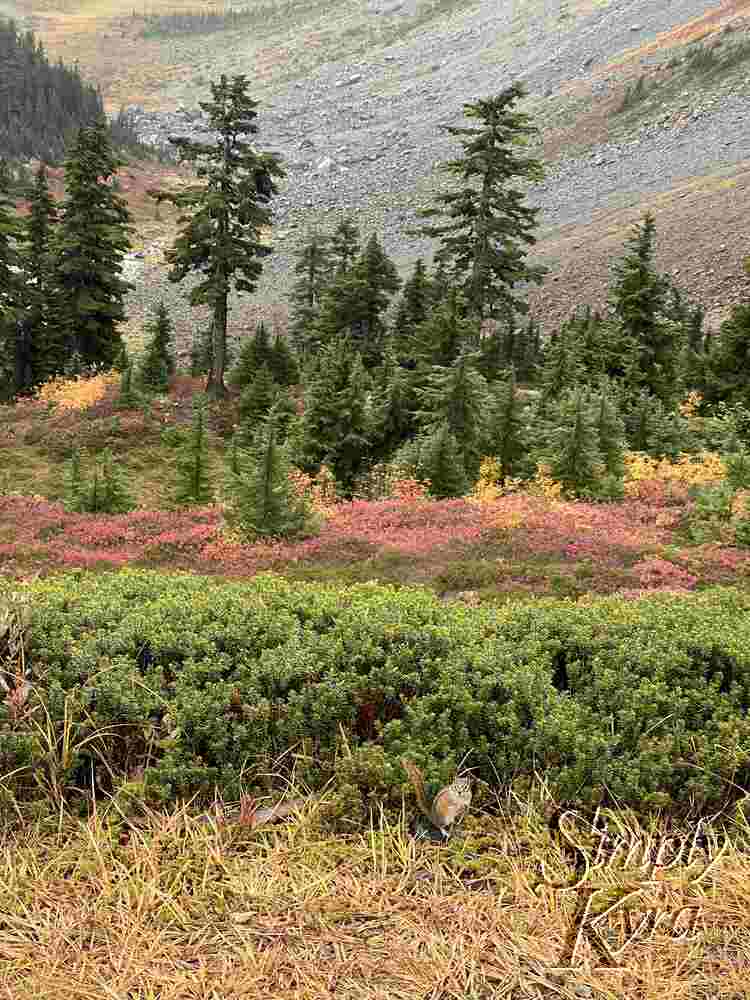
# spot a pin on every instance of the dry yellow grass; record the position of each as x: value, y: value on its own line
x: 177, y: 909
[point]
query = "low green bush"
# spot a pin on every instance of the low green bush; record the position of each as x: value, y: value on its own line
x: 199, y: 686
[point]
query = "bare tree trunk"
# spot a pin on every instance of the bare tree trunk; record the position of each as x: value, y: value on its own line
x: 215, y: 387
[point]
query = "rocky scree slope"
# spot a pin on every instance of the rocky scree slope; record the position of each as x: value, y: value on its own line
x: 363, y: 137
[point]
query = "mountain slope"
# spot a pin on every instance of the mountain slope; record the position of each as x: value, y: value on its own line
x: 353, y: 94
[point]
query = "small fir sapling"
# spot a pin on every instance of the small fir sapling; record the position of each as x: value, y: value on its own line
x: 193, y: 471
x: 158, y: 363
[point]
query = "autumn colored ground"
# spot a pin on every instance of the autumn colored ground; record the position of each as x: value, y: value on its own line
x: 496, y: 547
x: 172, y: 909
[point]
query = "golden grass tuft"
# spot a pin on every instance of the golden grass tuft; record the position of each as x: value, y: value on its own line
x: 178, y: 909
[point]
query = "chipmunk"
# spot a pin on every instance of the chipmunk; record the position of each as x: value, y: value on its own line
x: 448, y: 806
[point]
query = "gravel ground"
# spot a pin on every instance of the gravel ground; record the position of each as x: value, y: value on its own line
x: 363, y: 137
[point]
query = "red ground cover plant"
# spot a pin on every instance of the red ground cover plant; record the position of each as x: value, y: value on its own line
x: 529, y: 539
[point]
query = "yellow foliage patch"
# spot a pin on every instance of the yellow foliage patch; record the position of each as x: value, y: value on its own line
x: 692, y: 470
x: 488, y: 487
x: 544, y: 485
x: 76, y: 393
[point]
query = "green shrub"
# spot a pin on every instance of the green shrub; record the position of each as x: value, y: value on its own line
x: 711, y: 511
x: 206, y: 684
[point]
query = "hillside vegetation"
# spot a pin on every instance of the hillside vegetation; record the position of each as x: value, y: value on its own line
x: 385, y: 636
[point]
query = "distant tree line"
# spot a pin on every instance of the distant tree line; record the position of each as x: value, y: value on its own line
x: 43, y: 104
x: 197, y: 22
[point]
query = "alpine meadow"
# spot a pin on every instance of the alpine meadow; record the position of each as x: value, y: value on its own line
x: 375, y: 500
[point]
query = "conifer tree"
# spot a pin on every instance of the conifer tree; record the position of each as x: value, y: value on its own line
x: 445, y: 333
x: 158, y: 363
x: 457, y: 396
x: 12, y: 367
x: 507, y: 438
x: 91, y: 242
x: 488, y: 227
x: 257, y: 398
x: 261, y: 499
x: 610, y: 429
x: 127, y: 398
x: 344, y: 246
x: 728, y: 361
x: 193, y: 482
x: 562, y: 368
x: 200, y: 351
x: 652, y: 344
x: 313, y: 267
x: 443, y: 463
x: 105, y: 493
x: 74, y: 485
x: 380, y: 280
x: 223, y: 216
x: 337, y: 417
x: 574, y: 457
x: 73, y: 366
x: 526, y: 351
x: 255, y: 352
x: 413, y: 309
x: 595, y: 340
x: 41, y: 355
x: 283, y: 411
x: 652, y: 428
x: 355, y: 302
x: 393, y: 418
x: 115, y: 496
x: 283, y: 363
x: 350, y: 452
x: 442, y: 282
x: 493, y: 360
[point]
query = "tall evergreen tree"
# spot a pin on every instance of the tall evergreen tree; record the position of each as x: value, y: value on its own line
x: 338, y: 422
x: 652, y: 343
x: 652, y: 428
x: 489, y: 227
x: 12, y: 361
x: 42, y: 350
x: 610, y: 429
x: 92, y: 240
x: 344, y: 246
x: 413, y: 309
x: 445, y: 333
x: 313, y: 268
x: 350, y: 453
x: 224, y: 213
x: 355, y: 302
x: 562, y: 368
